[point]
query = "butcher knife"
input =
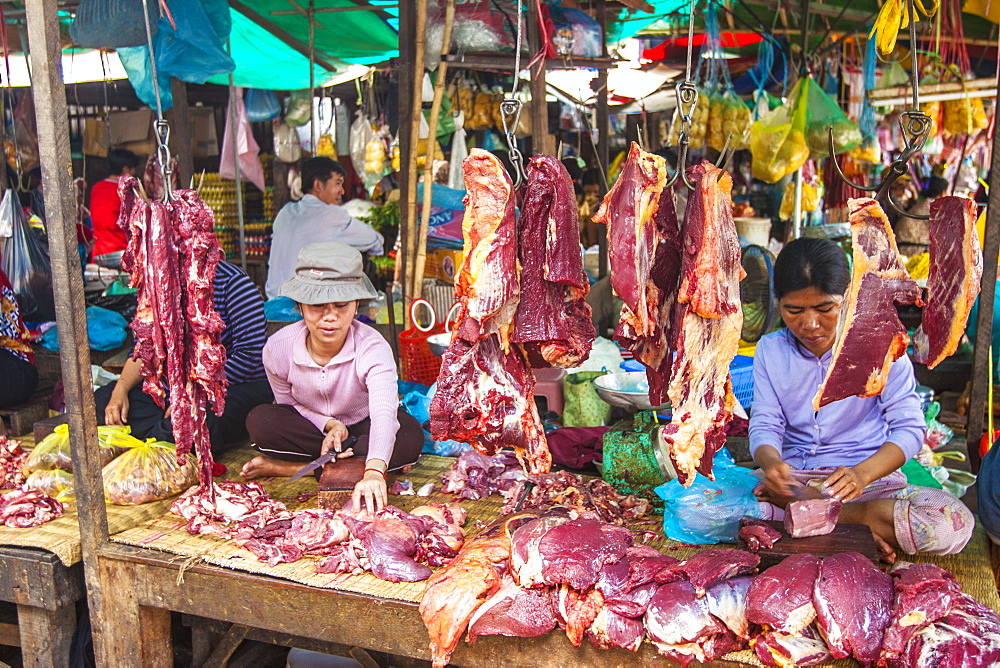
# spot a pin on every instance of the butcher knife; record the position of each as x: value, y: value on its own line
x: 320, y: 461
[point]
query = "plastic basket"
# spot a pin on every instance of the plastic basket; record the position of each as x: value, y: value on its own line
x: 741, y: 371
x: 418, y: 363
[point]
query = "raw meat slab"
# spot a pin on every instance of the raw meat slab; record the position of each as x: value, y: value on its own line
x: 845, y: 538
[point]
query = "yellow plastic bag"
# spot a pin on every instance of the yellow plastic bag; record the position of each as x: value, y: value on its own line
x: 56, y: 483
x: 778, y: 144
x: 965, y: 116
x: 482, y: 113
x: 147, y: 472
x: 53, y: 451
x: 810, y: 200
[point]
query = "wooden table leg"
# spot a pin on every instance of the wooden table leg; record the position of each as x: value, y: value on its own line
x: 141, y: 634
x: 46, y: 635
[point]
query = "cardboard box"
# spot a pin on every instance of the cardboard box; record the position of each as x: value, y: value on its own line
x: 204, y: 136
x: 133, y: 130
x: 442, y: 263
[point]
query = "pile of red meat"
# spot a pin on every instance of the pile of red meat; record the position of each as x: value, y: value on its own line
x: 476, y: 476
x: 394, y: 545
x: 24, y: 508
x: 12, y: 460
x: 171, y: 259
x: 530, y: 572
x: 521, y: 287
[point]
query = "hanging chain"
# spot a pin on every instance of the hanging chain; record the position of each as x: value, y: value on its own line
x: 160, y: 126
x: 510, y: 109
x: 914, y: 123
x: 687, y: 101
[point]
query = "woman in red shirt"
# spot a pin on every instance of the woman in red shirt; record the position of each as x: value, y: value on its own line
x: 104, y: 208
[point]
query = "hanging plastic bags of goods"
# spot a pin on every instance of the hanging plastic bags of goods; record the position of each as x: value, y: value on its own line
x: 571, y: 32
x: 778, y: 143
x: 26, y: 264
x: 966, y: 115
x: 895, y: 16
x: 286, y: 143
x: 728, y: 118
x: 246, y: 148
x: 262, y: 105
x: 111, y: 24
x: 822, y: 113
x: 194, y: 51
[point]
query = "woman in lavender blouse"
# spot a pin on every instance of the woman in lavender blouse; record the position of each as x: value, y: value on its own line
x: 853, y: 447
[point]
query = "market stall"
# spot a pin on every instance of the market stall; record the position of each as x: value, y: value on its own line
x: 196, y: 558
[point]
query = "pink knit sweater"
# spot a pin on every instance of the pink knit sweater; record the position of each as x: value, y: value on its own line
x: 359, y: 382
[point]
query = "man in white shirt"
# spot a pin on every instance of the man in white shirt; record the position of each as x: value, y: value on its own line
x: 317, y: 217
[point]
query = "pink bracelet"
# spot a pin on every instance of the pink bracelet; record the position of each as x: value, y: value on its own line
x: 381, y: 473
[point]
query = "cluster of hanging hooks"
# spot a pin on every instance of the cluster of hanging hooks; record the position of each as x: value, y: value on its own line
x: 510, y: 109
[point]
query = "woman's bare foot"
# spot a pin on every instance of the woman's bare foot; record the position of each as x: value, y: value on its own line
x: 263, y: 467
x: 885, y: 551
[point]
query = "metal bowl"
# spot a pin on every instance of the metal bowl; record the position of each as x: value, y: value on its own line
x: 438, y: 343
x: 626, y: 390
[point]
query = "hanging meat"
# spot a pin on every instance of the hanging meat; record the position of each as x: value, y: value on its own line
x: 553, y: 323
x: 171, y: 258
x: 870, y: 336
x: 645, y: 258
x: 485, y: 388
x: 707, y: 321
x: 953, y: 283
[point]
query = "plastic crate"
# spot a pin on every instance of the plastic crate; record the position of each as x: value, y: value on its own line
x: 741, y: 371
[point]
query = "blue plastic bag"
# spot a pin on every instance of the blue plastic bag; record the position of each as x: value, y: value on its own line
x: 281, y: 309
x: 418, y: 404
x: 111, y: 24
x: 709, y: 511
x: 106, y: 330
x: 262, y: 105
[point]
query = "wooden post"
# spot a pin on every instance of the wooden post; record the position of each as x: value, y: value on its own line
x: 180, y: 131
x: 603, y: 130
x: 542, y: 143
x: 408, y: 211
x: 60, y: 209
x: 984, y: 323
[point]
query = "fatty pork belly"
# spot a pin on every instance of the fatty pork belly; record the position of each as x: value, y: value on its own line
x: 485, y: 387
x: 553, y: 322
x: 708, y: 319
x: 870, y: 336
x: 953, y: 283
x: 644, y: 250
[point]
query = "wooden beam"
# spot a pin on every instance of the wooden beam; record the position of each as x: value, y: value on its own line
x: 329, y: 10
x: 60, y: 208
x: 472, y: 61
x: 603, y: 152
x: 180, y: 131
x: 10, y: 635
x: 640, y: 5
x: 542, y: 143
x: 293, y: 42
x: 46, y: 638
x: 219, y: 657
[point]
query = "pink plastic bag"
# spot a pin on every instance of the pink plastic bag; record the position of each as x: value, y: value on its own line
x: 250, y: 168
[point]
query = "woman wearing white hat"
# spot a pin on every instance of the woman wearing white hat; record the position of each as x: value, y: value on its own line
x: 333, y: 378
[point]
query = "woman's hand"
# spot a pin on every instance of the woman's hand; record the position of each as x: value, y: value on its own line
x: 373, y: 489
x: 845, y: 484
x: 116, y: 412
x: 336, y: 433
x: 778, y: 481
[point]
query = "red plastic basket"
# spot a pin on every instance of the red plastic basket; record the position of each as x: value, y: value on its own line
x: 419, y: 364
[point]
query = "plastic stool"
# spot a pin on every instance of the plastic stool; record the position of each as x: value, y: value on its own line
x: 549, y: 384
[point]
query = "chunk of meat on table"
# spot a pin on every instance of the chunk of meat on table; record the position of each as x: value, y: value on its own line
x: 553, y: 323
x: 707, y: 321
x: 812, y: 517
x: 924, y: 593
x: 953, y: 282
x: 870, y: 336
x: 390, y: 545
x: 576, y: 610
x: 969, y: 635
x: 786, y: 650
x: 622, y: 594
x: 610, y: 629
x: 727, y: 601
x: 12, y: 461
x: 513, y: 611
x: 853, y: 600
x: 782, y: 596
x: 710, y: 566
x: 682, y: 627
x: 525, y: 560
x: 757, y: 536
x: 573, y: 553
x: 23, y: 508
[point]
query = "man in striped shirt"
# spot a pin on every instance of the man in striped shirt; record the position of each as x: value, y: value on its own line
x: 239, y: 303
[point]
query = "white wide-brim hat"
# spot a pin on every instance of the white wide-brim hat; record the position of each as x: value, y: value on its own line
x: 328, y: 272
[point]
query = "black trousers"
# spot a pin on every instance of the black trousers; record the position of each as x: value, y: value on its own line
x: 147, y: 421
x: 18, y: 379
x: 280, y: 431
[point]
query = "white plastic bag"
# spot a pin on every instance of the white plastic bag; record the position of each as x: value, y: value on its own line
x: 286, y: 143
x: 361, y: 134
x: 459, y: 151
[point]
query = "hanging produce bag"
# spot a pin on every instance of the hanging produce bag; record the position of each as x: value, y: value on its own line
x: 246, y: 148
x: 147, y: 472
x: 262, y: 105
x: 111, y: 24
x: 298, y: 108
x: 699, y: 123
x: 821, y: 113
x: 56, y: 483
x: 571, y: 32
x: 361, y: 134
x: 26, y: 264
x: 964, y: 116
x: 286, y: 144
x: 778, y: 143
x: 728, y: 118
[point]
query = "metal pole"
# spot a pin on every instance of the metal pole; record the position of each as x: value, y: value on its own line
x: 797, y: 212
x: 60, y: 210
x: 312, y: 76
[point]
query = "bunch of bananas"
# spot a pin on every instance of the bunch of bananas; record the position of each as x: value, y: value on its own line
x: 895, y: 16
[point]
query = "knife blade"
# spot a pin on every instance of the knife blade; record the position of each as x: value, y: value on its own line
x: 322, y: 460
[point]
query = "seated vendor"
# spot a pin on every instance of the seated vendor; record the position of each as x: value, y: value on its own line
x: 239, y: 304
x: 333, y: 378
x: 18, y: 375
x: 855, y: 446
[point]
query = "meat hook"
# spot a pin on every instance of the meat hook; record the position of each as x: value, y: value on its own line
x: 915, y: 127
x: 687, y: 100
x: 510, y: 109
x: 724, y: 157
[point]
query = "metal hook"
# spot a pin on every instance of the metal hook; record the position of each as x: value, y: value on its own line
x: 510, y: 110
x: 162, y: 131
x: 724, y: 157
x: 687, y: 101
x: 915, y: 127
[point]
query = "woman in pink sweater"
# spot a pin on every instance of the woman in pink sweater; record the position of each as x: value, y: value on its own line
x: 334, y: 381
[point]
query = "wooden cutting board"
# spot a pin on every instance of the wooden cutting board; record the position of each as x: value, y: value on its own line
x: 844, y: 538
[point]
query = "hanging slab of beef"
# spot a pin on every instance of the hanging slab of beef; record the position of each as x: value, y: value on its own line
x: 853, y: 602
x: 782, y: 596
x: 707, y: 321
x: 953, y: 283
x: 870, y: 336
x: 485, y: 388
x: 812, y: 517
x: 553, y: 323
x: 644, y: 251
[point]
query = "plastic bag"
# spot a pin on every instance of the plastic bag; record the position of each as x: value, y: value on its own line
x: 479, y: 25
x: 810, y: 200
x: 245, y: 146
x: 111, y: 24
x: 417, y: 402
x: 53, y: 452
x: 821, y: 115
x: 710, y: 511
x: 298, y: 109
x: 26, y: 264
x: 56, y: 483
x: 728, y: 118
x: 262, y: 105
x: 361, y: 134
x: 286, y: 143
x: 571, y: 32
x: 147, y: 472
x: 106, y: 330
x: 582, y: 406
x: 778, y: 144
